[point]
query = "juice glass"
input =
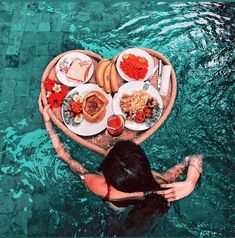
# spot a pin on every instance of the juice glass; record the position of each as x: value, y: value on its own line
x: 115, y: 125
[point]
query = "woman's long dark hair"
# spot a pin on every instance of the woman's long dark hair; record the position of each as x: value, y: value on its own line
x: 127, y: 169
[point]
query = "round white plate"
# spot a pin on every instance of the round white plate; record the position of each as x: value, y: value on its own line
x: 86, y: 128
x: 129, y: 88
x: 62, y: 76
x: 137, y: 52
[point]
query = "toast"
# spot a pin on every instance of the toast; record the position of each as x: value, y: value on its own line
x: 79, y: 70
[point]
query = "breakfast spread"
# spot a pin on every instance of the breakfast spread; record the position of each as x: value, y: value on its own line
x: 62, y: 90
x: 92, y: 105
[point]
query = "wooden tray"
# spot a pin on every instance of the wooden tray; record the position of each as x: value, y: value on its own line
x: 103, y: 141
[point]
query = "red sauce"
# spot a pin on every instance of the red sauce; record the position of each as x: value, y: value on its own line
x: 115, y: 125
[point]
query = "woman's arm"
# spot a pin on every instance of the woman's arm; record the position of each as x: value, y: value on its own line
x: 180, y: 190
x: 63, y: 154
x: 173, y: 174
x: 170, y: 175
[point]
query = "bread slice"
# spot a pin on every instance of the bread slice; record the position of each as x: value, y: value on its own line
x: 79, y: 70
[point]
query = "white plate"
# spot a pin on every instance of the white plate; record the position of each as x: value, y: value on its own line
x: 62, y: 76
x: 86, y: 128
x: 137, y: 52
x: 130, y: 88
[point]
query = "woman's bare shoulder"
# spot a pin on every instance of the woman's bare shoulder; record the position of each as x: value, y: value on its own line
x: 96, y: 183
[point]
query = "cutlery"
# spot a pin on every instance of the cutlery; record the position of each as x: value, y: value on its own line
x: 166, y: 74
x: 159, y: 75
x: 147, y: 82
x: 146, y: 86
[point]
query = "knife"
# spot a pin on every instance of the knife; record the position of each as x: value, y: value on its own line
x: 159, y: 75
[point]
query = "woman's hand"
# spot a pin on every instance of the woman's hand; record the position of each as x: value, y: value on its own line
x: 43, y: 110
x: 176, y: 190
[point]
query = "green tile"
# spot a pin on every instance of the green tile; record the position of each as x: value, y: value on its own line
x: 21, y: 98
x: 5, y: 16
x: 41, y: 50
x: 12, y: 50
x: 7, y: 101
x: 5, y: 32
x: 8, y: 77
x: 22, y: 89
x: 42, y: 38
x: 44, y: 26
x: 3, y: 61
x: 12, y: 60
x: 29, y: 38
x: 54, y: 49
x: 17, y: 27
x: 31, y: 23
x: 15, y: 38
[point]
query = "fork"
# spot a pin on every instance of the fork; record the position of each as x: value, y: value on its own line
x: 147, y: 82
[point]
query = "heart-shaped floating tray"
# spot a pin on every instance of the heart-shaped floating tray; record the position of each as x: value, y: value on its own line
x: 103, y: 141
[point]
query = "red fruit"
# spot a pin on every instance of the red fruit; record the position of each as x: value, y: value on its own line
x: 76, y: 106
x: 134, y: 66
x: 72, y: 114
x: 140, y: 117
x: 148, y: 112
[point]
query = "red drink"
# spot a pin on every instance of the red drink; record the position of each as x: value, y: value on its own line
x: 115, y: 125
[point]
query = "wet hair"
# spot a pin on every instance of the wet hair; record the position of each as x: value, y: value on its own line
x: 127, y: 169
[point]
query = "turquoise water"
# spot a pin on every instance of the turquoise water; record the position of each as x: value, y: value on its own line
x: 39, y: 196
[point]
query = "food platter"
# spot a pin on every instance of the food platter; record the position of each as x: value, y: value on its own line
x: 128, y: 89
x: 138, y: 53
x: 85, y: 128
x: 65, y: 63
x: 96, y: 137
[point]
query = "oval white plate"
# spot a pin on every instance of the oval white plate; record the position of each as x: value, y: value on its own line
x: 130, y: 88
x: 63, y: 78
x: 86, y: 128
x: 137, y: 52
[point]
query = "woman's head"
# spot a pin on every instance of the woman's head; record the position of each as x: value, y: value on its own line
x: 126, y: 168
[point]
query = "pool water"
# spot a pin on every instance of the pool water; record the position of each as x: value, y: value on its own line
x: 39, y: 196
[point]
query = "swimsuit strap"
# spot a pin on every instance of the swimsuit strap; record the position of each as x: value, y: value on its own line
x: 106, y: 198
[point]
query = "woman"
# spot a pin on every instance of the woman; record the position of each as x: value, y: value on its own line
x: 125, y: 178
